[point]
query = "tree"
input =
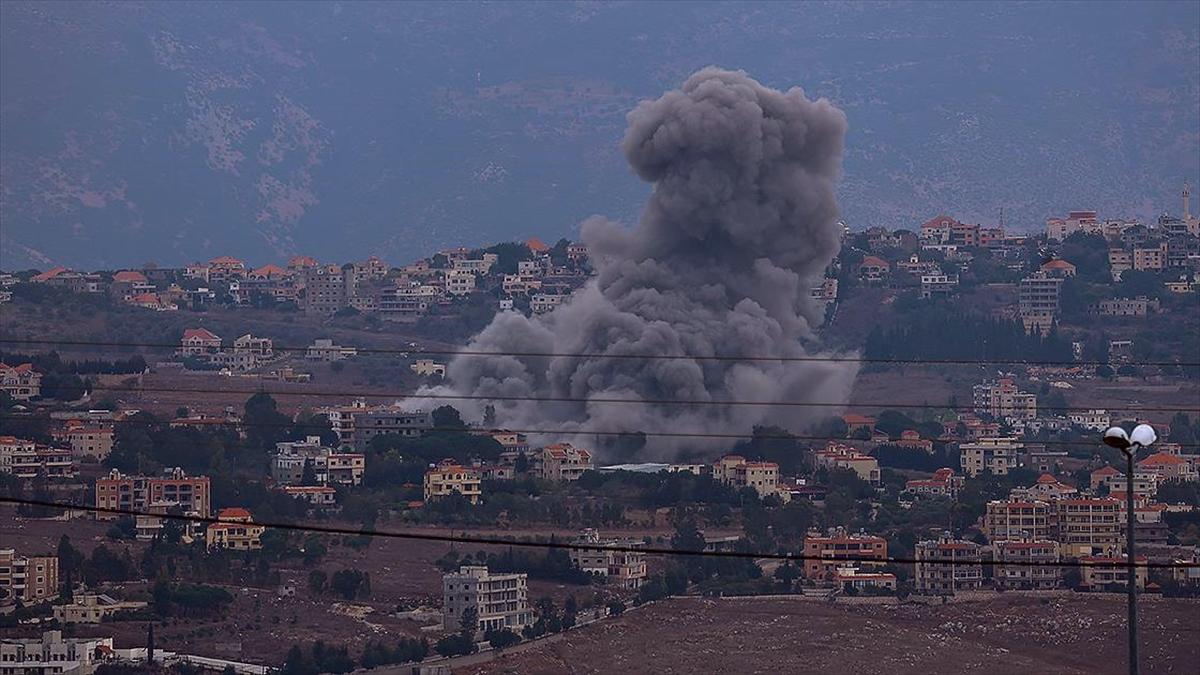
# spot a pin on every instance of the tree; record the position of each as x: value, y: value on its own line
x: 265, y: 425
x: 447, y: 417
x: 502, y: 639
x: 469, y: 622
x: 317, y: 580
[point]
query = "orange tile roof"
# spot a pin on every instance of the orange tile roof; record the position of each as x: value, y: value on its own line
x: 233, y: 512
x: 225, y: 260
x: 1162, y: 459
x: 1057, y: 264
x: 1106, y: 470
x: 50, y: 274
x: 129, y: 276
x: 19, y: 370
x: 874, y: 261
x: 536, y: 245
x: 939, y: 222
x: 199, y: 334
x: 269, y: 270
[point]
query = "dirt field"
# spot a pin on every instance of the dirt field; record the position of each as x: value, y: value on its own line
x: 1004, y: 634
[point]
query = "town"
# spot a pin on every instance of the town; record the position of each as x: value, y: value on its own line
x: 167, y: 459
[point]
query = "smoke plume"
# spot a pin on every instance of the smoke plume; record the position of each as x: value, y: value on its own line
x: 740, y: 224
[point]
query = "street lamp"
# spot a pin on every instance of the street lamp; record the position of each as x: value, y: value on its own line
x: 1116, y: 437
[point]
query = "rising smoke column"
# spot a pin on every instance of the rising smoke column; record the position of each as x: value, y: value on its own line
x: 741, y: 221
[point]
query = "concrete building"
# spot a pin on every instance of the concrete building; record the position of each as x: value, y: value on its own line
x: 1039, y: 301
x: 938, y: 285
x: 1119, y: 260
x: 1015, y: 519
x: 198, y: 342
x: 1140, y: 306
x: 428, y: 368
x: 1030, y: 564
x: 317, y: 495
x: 1169, y: 468
x: 823, y: 553
x: 53, y: 653
x: 1089, y: 526
x: 947, y: 565
x: 840, y: 456
x: 21, y: 382
x: 997, y: 455
x: 86, y: 439
x: 1110, y: 573
x: 460, y: 282
x: 382, y: 421
x: 30, y: 579
x: 25, y: 459
x: 1150, y: 258
x: 851, y: 578
x: 943, y: 484
x: 328, y: 466
x: 323, y: 349
x: 1058, y: 229
x: 624, y: 569
x: 327, y: 288
x: 563, y: 461
x: 736, y: 471
x: 190, y: 493
x: 448, y: 478
x: 1003, y: 400
x: 500, y: 600
x: 93, y: 608
x: 238, y: 535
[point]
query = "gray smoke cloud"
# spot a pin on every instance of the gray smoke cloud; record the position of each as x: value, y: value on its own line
x: 741, y: 222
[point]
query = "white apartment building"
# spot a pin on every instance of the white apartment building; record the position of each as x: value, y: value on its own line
x: 460, y: 282
x: 997, y: 455
x: 499, y: 600
x: 53, y: 653
x: 623, y: 568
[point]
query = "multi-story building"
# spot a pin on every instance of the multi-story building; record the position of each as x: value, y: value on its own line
x: 86, y: 439
x: 623, y: 568
x: 460, y: 282
x: 996, y: 455
x: 198, y: 342
x: 873, y: 269
x: 563, y: 461
x: 1057, y: 267
x: 1139, y: 306
x: 938, y: 285
x: 840, y: 456
x: 1015, y: 519
x: 428, y: 368
x: 261, y: 347
x: 1038, y: 301
x: 448, y: 478
x: 825, y: 554
x: 946, y: 565
x: 1145, y: 483
x: 341, y: 419
x: 21, y: 382
x: 1119, y: 260
x: 327, y: 288
x: 317, y: 495
x: 25, y: 459
x: 1089, y: 526
x: 383, y: 421
x: 1111, y: 573
x: 1092, y: 420
x: 237, y: 532
x: 1150, y: 258
x: 1058, y: 229
x: 1002, y: 399
x: 1169, y: 468
x: 223, y: 270
x: 500, y: 601
x: 328, y: 466
x: 943, y: 484
x: 30, y: 579
x: 1027, y: 563
x: 736, y: 471
x: 52, y: 653
x: 93, y: 608
x: 190, y: 493
x: 541, y: 303
x: 323, y: 349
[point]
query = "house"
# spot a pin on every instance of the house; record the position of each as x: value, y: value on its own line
x: 1047, y: 488
x: 262, y: 348
x: 854, y: 423
x: 911, y: 439
x: 1169, y: 467
x: 823, y: 552
x: 736, y: 471
x: 563, y: 462
x: 25, y: 459
x: 323, y: 349
x: 838, y: 456
x: 198, y: 342
x: 327, y: 466
x: 93, y: 608
x: 1013, y: 519
x: 873, y: 269
x: 86, y: 439
x: 448, y: 478
x: 850, y: 578
x: 317, y: 495
x: 28, y: 579
x: 52, y: 653
x: 499, y: 601
x: 946, y: 565
x: 21, y: 382
x: 1111, y: 573
x: 236, y: 531
x: 1057, y: 267
x: 1002, y: 399
x: 428, y: 368
x: 622, y: 568
x: 1026, y: 564
x: 943, y: 484
x: 545, y: 302
x: 152, y: 301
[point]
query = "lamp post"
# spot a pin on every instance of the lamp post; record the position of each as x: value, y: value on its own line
x: 1116, y: 437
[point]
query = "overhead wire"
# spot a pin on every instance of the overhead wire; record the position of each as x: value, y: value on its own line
x: 495, y: 541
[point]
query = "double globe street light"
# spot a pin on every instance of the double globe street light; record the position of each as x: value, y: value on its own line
x: 1129, y: 443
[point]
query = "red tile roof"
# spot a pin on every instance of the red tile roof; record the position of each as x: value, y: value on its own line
x: 129, y: 276
x: 225, y: 260
x: 1162, y: 459
x: 199, y: 334
x: 19, y: 370
x: 875, y: 261
x: 50, y: 274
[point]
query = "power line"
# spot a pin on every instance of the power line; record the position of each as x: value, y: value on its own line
x: 492, y: 541
x: 558, y: 432
x: 581, y: 399
x: 649, y: 357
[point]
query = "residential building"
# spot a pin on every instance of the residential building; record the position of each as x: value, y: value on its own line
x: 1026, y: 564
x: 388, y: 420
x: 223, y: 270
x: 1150, y: 258
x: 428, y: 368
x: 736, y: 471
x: 93, y: 608
x: 327, y: 288
x: 25, y: 459
x: 1047, y: 489
x: 1057, y: 267
x: 1119, y: 260
x: 850, y: 578
x: 30, y: 579
x: 840, y: 456
x: 323, y: 349
x: 1111, y: 573
x: 1169, y: 468
x: 86, y: 439
x: 1038, y: 301
x: 1016, y: 519
x: 460, y: 282
x: 541, y: 303
x: 563, y: 461
x: 21, y: 382
x: 873, y: 269
x: 947, y: 565
x: 996, y: 455
x: 1145, y: 483
x: 622, y: 568
x: 52, y: 653
x: 1089, y: 526
x: 447, y: 478
x: 938, y: 285
x: 911, y: 439
x: 341, y: 419
x: 937, y: 230
x: 263, y: 348
x: 327, y: 465
x: 1139, y: 306
x: 823, y: 553
x: 317, y: 495
x: 1058, y: 229
x: 856, y: 423
x: 1003, y: 400
x: 500, y: 601
x: 236, y: 532
x: 1092, y: 420
x: 943, y: 484
x: 198, y: 342
x: 137, y: 493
